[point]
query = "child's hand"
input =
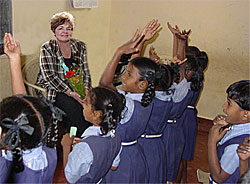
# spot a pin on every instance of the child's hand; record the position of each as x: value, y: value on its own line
x: 130, y: 46
x: 216, y: 133
x: 153, y: 55
x: 66, y: 141
x: 183, y: 35
x: 173, y: 30
x: 176, y: 60
x: 220, y: 119
x: 11, y: 48
x: 150, y: 29
x: 243, y: 150
x: 76, y: 140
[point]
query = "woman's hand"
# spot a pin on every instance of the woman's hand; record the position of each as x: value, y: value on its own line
x: 11, y: 48
x: 77, y: 97
x: 243, y: 150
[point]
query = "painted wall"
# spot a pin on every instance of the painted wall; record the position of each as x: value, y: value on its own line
x: 221, y: 28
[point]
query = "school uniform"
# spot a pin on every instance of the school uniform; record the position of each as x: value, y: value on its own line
x: 173, y: 135
x: 189, y: 125
x: 133, y: 166
x: 227, y: 151
x: 39, y: 166
x: 93, y: 157
x: 151, y: 140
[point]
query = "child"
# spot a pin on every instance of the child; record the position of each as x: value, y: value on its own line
x: 22, y: 119
x: 100, y: 144
x: 222, y: 157
x: 243, y: 152
x: 138, y: 83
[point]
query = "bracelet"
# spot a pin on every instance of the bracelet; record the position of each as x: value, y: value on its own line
x: 70, y: 93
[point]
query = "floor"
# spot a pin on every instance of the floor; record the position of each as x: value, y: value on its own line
x: 200, y: 156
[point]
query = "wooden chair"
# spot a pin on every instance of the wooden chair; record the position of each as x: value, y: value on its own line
x: 30, y: 70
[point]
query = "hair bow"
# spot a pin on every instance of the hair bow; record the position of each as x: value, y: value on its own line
x: 56, y: 112
x: 12, y: 137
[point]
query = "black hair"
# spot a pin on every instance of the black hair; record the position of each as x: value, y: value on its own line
x: 148, y: 70
x: 167, y: 77
x: 111, y: 103
x: 193, y: 65
x: 201, y: 55
x: 240, y: 93
x: 31, y: 112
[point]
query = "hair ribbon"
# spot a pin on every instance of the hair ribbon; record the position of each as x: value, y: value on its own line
x: 14, y: 126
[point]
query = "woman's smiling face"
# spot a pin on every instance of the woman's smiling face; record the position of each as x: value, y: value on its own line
x: 63, y: 32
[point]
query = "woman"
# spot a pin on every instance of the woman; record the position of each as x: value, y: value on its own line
x: 57, y: 56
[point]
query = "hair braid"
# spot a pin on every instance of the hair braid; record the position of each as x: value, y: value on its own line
x: 148, y: 94
x: 18, y: 158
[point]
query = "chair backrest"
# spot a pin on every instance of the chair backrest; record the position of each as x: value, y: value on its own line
x: 30, y: 71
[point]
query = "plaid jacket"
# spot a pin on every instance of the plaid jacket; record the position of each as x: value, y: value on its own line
x: 51, y: 76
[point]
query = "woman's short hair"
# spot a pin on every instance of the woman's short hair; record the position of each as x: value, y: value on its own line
x: 60, y: 18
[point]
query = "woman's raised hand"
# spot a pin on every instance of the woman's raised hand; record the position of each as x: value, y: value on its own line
x: 11, y: 48
x: 150, y: 29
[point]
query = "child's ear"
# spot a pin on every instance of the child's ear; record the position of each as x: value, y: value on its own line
x: 97, y: 114
x: 143, y: 85
x: 246, y: 115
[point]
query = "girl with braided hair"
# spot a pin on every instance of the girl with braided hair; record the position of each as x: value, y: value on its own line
x: 99, y: 150
x: 28, y: 130
x: 139, y: 84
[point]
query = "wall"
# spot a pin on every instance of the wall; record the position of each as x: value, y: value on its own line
x: 221, y: 28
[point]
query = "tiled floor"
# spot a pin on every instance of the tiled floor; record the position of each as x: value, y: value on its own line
x: 200, y: 156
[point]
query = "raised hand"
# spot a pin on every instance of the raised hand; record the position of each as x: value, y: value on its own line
x: 183, y: 34
x: 243, y: 150
x: 11, y: 48
x: 153, y: 55
x: 173, y: 30
x: 175, y: 60
x: 150, y: 29
x: 130, y: 46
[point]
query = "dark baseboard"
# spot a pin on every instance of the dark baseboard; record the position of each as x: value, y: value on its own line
x: 204, y: 124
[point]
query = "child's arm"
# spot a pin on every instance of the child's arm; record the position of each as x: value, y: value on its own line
x: 174, y: 31
x: 13, y: 51
x: 243, y: 152
x: 127, y: 48
x: 215, y: 134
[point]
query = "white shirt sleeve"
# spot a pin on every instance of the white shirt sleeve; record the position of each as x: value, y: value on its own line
x: 78, y: 163
x: 128, y: 111
x: 117, y: 159
x: 230, y: 160
x: 181, y: 90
